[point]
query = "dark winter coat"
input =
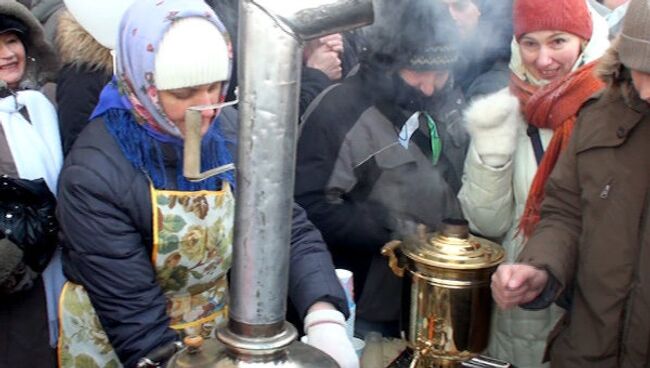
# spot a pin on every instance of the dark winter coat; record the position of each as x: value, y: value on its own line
x: 594, y: 235
x: 106, y: 216
x: 361, y: 188
x: 87, y: 67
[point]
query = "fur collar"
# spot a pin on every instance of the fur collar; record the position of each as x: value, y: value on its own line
x: 617, y: 77
x: 78, y: 47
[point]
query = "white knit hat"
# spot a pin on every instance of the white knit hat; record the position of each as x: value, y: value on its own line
x: 191, y: 53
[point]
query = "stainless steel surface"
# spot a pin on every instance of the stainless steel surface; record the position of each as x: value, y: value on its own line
x: 310, y: 19
x: 213, y: 354
x: 448, y: 310
x: 270, y: 61
x: 267, y: 133
x: 270, y: 55
x: 258, y: 345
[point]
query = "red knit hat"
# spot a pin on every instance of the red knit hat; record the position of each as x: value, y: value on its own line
x: 571, y: 16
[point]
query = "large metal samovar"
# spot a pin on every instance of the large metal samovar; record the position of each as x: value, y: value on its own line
x: 270, y: 60
x: 449, y: 304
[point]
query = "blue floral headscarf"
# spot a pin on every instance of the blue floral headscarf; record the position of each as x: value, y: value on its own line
x: 142, y: 28
x: 129, y: 103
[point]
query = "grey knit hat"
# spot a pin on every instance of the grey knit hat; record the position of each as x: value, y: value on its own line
x: 634, y: 43
x: 427, y: 36
x: 418, y: 35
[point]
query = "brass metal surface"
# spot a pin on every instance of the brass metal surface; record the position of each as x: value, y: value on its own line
x: 448, y: 250
x: 449, y: 307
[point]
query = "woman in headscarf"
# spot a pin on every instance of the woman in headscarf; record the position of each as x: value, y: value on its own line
x: 518, y: 134
x: 146, y: 250
x: 30, y: 160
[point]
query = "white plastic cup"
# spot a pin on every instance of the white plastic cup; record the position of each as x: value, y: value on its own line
x: 346, y: 279
x: 349, y: 323
x: 347, y: 282
x: 358, y: 346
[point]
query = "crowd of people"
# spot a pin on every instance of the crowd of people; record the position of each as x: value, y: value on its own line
x: 524, y: 117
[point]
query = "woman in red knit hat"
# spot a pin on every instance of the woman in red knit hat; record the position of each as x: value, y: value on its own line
x: 518, y: 134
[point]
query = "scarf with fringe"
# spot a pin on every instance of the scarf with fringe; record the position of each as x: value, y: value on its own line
x: 143, y: 146
x: 553, y: 106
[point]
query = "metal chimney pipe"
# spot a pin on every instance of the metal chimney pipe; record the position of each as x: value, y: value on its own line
x: 271, y: 34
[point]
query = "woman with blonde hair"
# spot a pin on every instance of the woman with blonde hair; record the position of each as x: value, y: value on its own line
x: 518, y: 134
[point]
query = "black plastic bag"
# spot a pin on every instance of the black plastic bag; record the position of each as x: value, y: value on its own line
x: 27, y: 218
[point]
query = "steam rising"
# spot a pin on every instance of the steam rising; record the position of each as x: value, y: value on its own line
x: 404, y: 26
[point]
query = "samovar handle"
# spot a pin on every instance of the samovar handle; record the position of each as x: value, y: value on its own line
x: 388, y: 250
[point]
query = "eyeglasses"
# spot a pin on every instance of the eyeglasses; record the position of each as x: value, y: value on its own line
x: 217, y: 106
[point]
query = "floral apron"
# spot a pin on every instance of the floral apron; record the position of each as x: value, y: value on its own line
x: 192, y: 248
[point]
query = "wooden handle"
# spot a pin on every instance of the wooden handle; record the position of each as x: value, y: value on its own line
x: 193, y: 341
x: 388, y: 250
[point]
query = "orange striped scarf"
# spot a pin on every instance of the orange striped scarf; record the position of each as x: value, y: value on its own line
x: 553, y: 106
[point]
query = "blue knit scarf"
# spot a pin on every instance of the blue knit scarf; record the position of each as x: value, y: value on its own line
x: 143, y: 146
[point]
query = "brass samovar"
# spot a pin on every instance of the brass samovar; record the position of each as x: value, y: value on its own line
x: 449, y: 305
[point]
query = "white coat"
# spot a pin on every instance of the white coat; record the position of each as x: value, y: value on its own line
x: 493, y: 200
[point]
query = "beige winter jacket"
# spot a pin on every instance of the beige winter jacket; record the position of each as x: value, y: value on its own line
x: 493, y: 201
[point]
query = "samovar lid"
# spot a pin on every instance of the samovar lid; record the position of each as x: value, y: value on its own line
x: 198, y: 353
x: 453, y: 247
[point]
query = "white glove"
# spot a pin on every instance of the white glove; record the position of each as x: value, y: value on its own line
x: 493, y: 122
x: 326, y: 331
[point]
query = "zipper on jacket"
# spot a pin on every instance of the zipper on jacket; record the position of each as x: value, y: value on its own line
x: 604, y: 194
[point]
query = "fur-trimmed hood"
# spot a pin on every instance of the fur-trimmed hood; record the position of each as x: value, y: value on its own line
x: 611, y: 70
x: 42, y: 63
x: 76, y: 46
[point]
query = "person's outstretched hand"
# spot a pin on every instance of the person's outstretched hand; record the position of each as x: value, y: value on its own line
x: 516, y: 284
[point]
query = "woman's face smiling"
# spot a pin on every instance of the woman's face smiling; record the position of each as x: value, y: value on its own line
x: 12, y: 59
x: 176, y: 101
x: 549, y: 55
